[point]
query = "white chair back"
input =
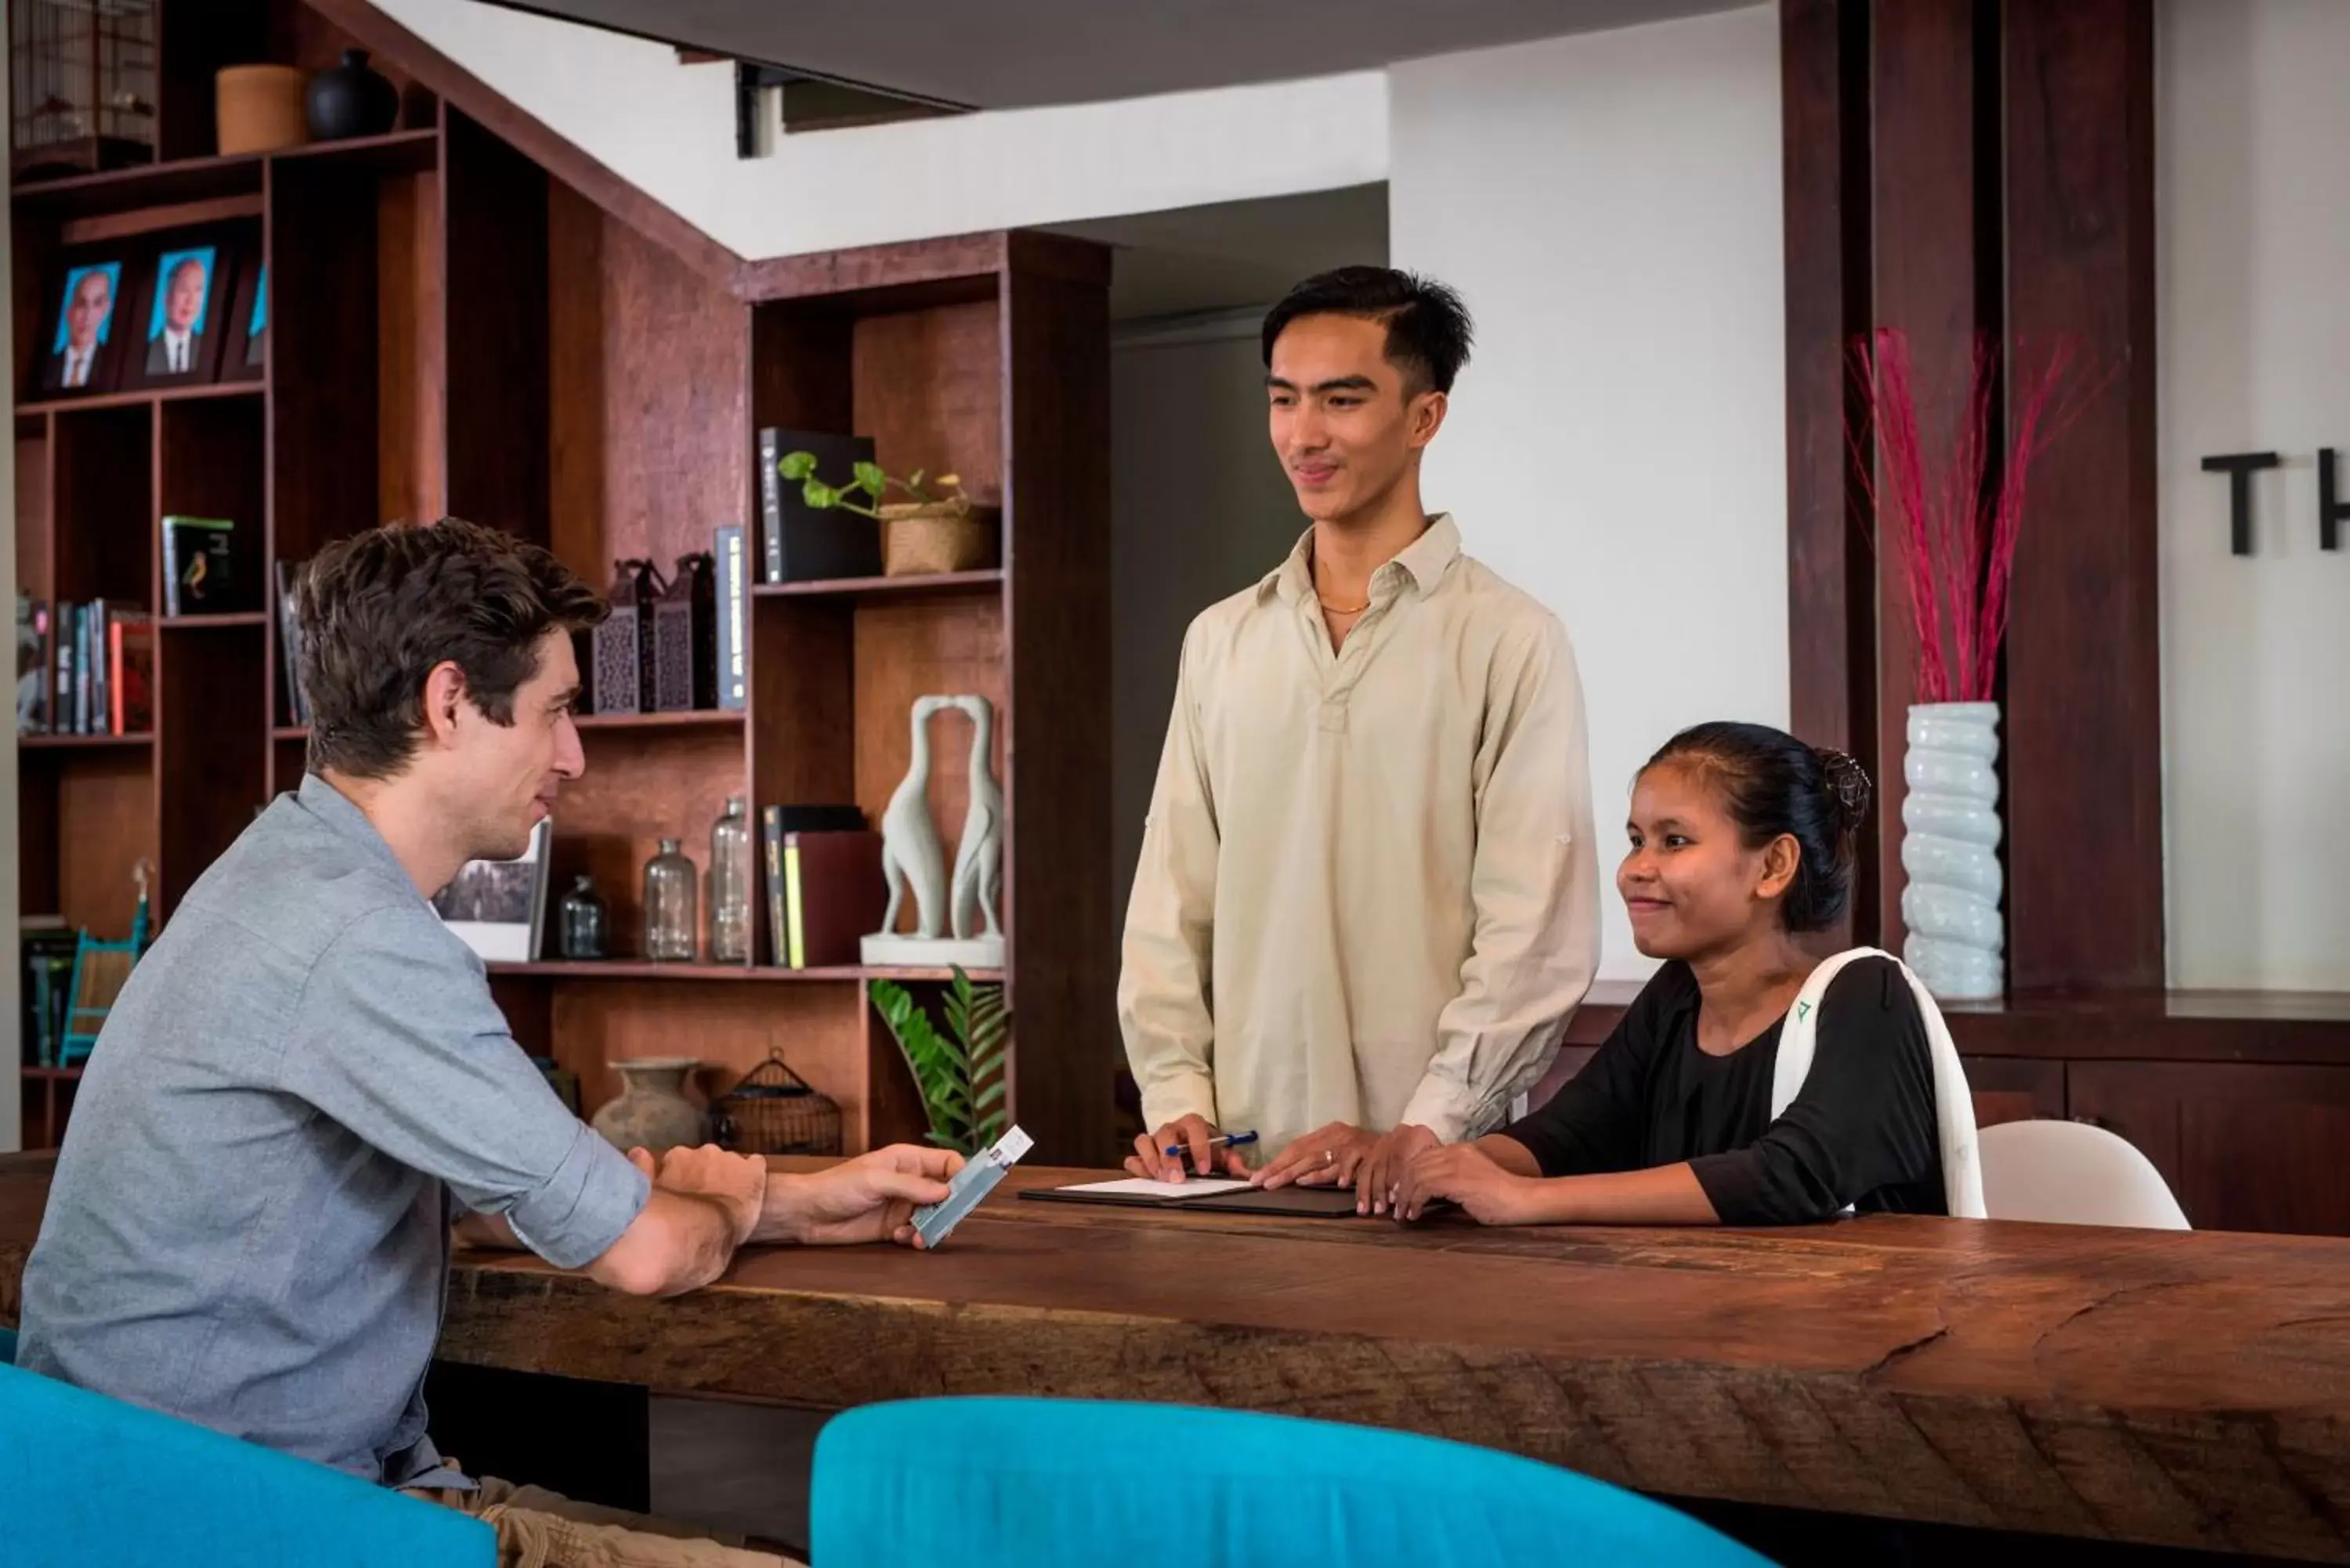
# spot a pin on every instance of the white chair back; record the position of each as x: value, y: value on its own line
x: 2070, y: 1173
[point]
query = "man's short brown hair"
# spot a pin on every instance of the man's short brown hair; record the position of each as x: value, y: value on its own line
x: 379, y: 610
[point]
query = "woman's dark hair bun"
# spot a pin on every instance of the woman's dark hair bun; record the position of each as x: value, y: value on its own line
x: 1847, y: 787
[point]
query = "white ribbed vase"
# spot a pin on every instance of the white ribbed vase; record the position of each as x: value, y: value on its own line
x: 1950, y: 847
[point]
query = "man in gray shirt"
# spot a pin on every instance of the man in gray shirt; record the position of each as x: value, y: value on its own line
x: 306, y: 1079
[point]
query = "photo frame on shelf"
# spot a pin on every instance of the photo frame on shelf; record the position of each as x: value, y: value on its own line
x: 247, y: 358
x: 184, y: 314
x: 498, y: 908
x: 82, y: 354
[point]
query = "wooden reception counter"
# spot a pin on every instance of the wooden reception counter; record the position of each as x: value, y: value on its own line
x: 2191, y: 1389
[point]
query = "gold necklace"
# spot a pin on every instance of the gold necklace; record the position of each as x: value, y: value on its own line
x: 1340, y: 609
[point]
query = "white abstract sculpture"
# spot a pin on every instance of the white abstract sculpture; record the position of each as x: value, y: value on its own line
x: 968, y: 930
x: 910, y: 852
x: 979, y: 859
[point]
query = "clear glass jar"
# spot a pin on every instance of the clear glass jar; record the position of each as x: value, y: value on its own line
x: 730, y: 884
x: 670, y: 884
x: 580, y: 932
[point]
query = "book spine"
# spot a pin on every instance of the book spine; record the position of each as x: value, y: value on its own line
x: 794, y: 910
x: 102, y: 686
x: 60, y: 670
x: 114, y: 686
x: 771, y: 502
x: 170, y: 568
x: 70, y: 673
x: 733, y: 684
x: 771, y: 831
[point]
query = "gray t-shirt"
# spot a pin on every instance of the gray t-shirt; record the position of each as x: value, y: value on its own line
x: 249, y: 1223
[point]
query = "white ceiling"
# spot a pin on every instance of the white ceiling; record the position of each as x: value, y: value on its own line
x: 1236, y: 254
x: 1012, y: 54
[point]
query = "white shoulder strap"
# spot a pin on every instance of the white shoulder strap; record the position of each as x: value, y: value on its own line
x: 1954, y: 1105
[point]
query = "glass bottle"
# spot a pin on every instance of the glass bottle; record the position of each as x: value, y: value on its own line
x: 580, y: 929
x: 730, y: 884
x: 670, y: 884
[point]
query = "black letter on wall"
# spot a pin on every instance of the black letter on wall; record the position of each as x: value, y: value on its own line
x: 2331, y: 513
x: 2240, y: 468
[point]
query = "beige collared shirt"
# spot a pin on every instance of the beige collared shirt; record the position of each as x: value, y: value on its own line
x: 1368, y: 889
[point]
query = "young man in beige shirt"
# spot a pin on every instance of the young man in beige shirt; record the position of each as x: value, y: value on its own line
x: 1368, y: 901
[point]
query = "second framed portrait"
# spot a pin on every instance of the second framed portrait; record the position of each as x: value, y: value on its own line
x: 183, y: 316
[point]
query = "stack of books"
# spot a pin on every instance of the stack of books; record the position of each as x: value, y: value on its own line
x: 85, y: 668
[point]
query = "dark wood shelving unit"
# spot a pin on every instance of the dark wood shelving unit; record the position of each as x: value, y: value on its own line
x: 469, y: 315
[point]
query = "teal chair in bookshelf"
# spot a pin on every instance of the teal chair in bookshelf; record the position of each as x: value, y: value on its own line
x: 98, y: 970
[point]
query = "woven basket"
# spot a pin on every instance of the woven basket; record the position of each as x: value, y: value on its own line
x: 919, y: 538
x: 774, y: 1111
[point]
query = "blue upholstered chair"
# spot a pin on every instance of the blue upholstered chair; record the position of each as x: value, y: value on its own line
x: 85, y: 1478
x: 1043, y: 1484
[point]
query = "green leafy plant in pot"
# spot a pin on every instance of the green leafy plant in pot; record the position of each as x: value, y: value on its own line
x: 928, y: 532
x: 961, y: 1073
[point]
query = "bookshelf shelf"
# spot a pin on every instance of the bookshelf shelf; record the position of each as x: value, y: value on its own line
x: 214, y: 622
x: 186, y: 180
x: 175, y: 183
x: 394, y: 152
x: 639, y: 970
x: 141, y: 400
x: 885, y: 588
x: 54, y: 1074
x: 83, y: 743
x: 691, y: 719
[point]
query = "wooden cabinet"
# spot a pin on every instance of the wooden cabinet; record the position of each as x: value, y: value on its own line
x: 2014, y: 1089
x: 2245, y: 1147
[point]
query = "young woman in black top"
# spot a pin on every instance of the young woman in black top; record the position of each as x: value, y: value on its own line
x: 1741, y: 844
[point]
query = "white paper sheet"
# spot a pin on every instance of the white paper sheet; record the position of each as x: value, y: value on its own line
x: 1136, y: 1186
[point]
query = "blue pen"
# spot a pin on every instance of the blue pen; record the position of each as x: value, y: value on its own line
x: 1228, y: 1140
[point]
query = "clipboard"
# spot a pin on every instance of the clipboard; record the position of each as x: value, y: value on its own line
x: 1297, y: 1202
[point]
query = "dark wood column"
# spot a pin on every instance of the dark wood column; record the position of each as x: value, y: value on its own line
x: 1965, y: 167
x: 1831, y: 563
x: 1936, y: 278
x: 2085, y: 890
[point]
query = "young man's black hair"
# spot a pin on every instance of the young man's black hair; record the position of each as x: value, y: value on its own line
x: 1429, y: 330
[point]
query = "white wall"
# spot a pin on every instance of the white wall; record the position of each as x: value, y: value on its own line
x: 2252, y: 276
x: 1609, y: 204
x: 1199, y: 509
x: 668, y: 128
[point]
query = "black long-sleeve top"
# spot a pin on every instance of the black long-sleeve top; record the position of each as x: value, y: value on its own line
x: 1861, y: 1131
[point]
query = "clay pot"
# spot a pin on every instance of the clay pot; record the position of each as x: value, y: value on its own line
x: 652, y: 1112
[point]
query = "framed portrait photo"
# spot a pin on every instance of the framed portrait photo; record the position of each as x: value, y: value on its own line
x: 78, y: 359
x: 249, y: 339
x: 186, y: 316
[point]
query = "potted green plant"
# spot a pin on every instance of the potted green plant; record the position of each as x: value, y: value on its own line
x: 928, y: 532
x: 961, y: 1073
